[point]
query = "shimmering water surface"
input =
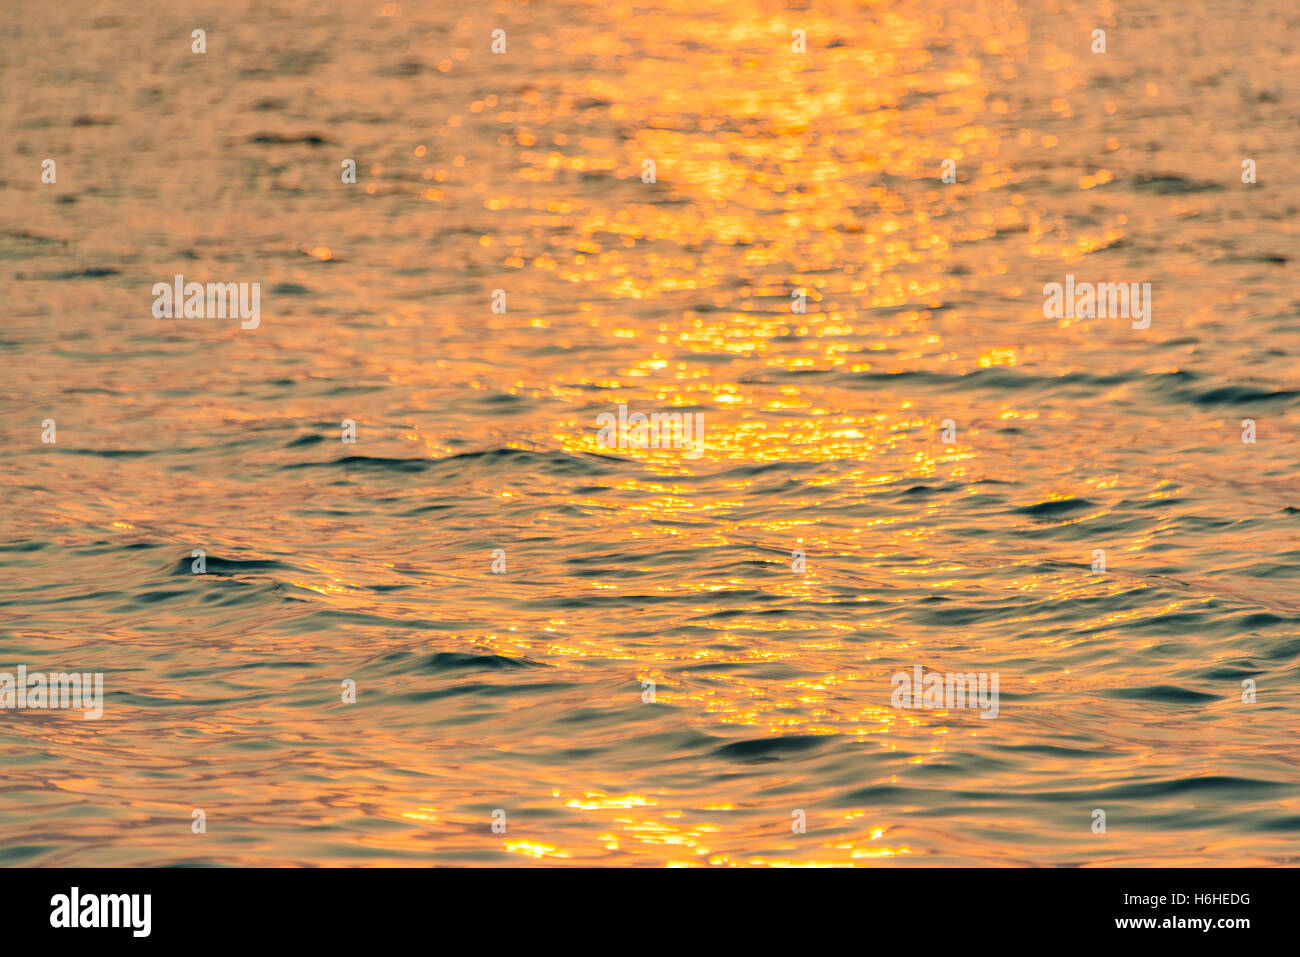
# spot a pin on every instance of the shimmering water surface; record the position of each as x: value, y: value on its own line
x: 477, y: 431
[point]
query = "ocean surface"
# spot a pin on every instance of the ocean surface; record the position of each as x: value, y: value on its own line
x: 945, y: 458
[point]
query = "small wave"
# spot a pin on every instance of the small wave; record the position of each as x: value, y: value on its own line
x: 769, y: 749
x: 1167, y: 183
x: 216, y: 565
x: 289, y: 139
x: 1056, y: 507
x: 460, y: 661
x: 1168, y: 693
x: 551, y: 463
